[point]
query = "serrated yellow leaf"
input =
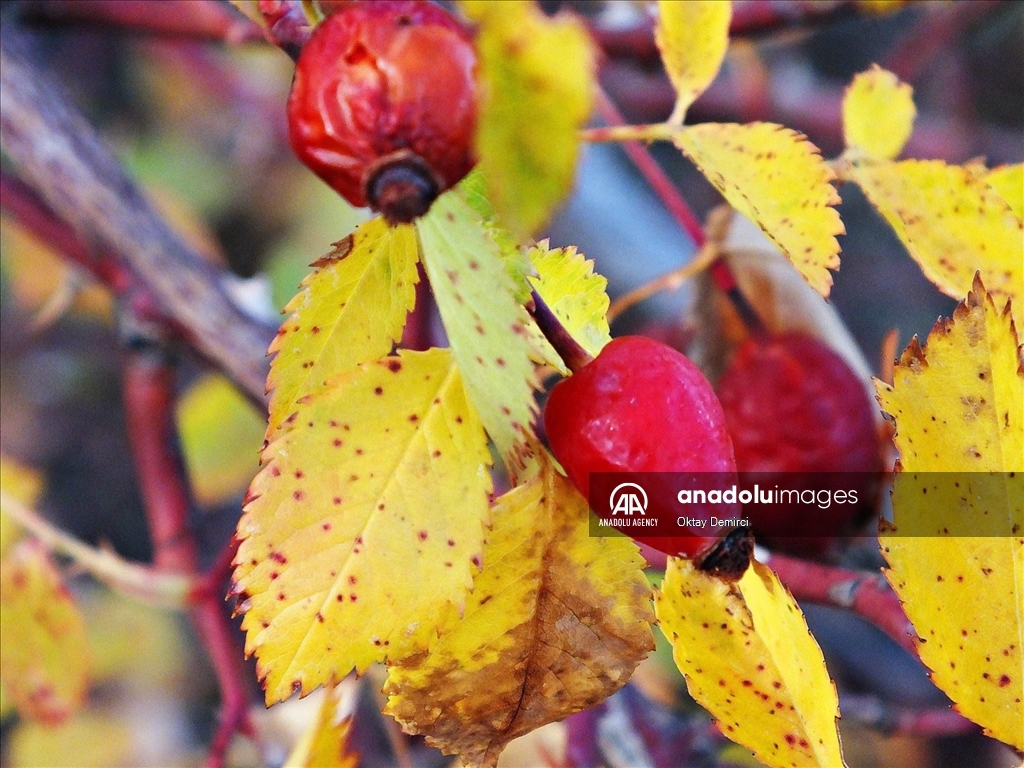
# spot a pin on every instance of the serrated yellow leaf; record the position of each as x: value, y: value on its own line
x: 957, y: 406
x: 19, y: 482
x: 44, y: 657
x: 325, y: 742
x: 485, y: 324
x: 1008, y: 181
x: 351, y: 310
x: 220, y: 431
x: 693, y: 38
x: 749, y: 659
x: 566, y: 280
x: 536, y: 77
x: 878, y: 114
x: 364, y: 524
x: 952, y: 223
x: 775, y: 177
x: 557, y: 621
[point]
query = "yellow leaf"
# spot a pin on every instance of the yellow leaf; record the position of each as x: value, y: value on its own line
x: 351, y: 310
x: 19, y: 482
x: 325, y: 743
x: 578, y: 297
x: 749, y: 659
x: 952, y: 223
x: 536, y: 77
x: 485, y: 324
x: 1008, y: 181
x: 220, y: 432
x: 693, y: 38
x: 364, y: 524
x: 90, y: 740
x: 777, y: 178
x: 957, y: 406
x: 879, y: 7
x: 44, y: 657
x: 878, y: 114
x: 556, y: 622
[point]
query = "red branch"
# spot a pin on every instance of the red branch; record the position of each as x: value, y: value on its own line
x: 189, y: 19
x: 149, y: 406
x: 865, y: 593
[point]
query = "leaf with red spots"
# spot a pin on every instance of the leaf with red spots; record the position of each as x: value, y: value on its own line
x: 1008, y: 181
x: 749, y: 659
x: 351, y: 310
x: 325, y: 742
x: 956, y: 558
x: 557, y: 621
x: 44, y: 656
x: 775, y: 177
x: 364, y: 525
x: 952, y: 223
x: 485, y: 324
x: 566, y: 280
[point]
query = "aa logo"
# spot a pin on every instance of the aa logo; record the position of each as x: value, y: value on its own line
x: 628, y: 498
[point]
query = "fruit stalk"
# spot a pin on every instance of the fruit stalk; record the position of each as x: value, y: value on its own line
x: 573, y: 355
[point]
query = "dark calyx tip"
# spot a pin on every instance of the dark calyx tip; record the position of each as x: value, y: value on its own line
x: 731, y: 556
x: 401, y: 186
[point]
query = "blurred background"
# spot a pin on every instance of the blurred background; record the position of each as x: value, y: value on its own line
x: 201, y: 126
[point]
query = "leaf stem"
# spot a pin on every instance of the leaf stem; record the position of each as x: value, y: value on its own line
x: 141, y: 582
x: 573, y: 355
x: 677, y: 206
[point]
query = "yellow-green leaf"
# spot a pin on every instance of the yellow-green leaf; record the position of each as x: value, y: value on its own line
x: 1008, y: 181
x: 364, y: 524
x: 576, y: 294
x: 693, y: 38
x: 220, y: 433
x: 351, y: 310
x: 485, y: 324
x: 952, y: 223
x: 878, y: 114
x: 325, y: 742
x: 957, y: 406
x: 749, y: 659
x: 44, y: 657
x: 777, y: 178
x: 536, y: 77
x: 557, y: 621
x: 19, y: 482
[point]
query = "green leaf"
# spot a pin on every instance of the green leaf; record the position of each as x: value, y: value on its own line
x: 485, y: 324
x: 537, y: 80
x: 365, y: 523
x: 351, y: 310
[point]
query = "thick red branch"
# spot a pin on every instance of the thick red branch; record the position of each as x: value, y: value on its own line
x: 149, y: 392
x: 865, y: 593
x: 190, y: 19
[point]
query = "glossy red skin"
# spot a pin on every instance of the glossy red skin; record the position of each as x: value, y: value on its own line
x: 640, y: 406
x: 793, y: 405
x: 379, y: 77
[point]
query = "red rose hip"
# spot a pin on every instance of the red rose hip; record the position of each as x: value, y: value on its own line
x: 642, y: 407
x: 383, y: 105
x: 800, y: 418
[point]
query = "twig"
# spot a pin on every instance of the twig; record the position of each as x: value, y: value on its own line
x: 873, y: 712
x: 149, y: 406
x: 141, y: 582
x: 57, y: 153
x: 187, y: 19
x: 865, y: 593
x: 669, y: 281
